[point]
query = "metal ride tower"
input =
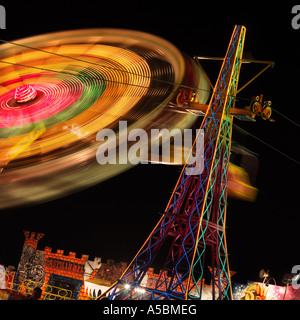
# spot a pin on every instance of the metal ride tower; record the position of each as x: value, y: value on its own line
x: 190, y: 236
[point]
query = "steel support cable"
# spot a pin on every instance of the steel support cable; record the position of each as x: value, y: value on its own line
x: 124, y: 71
x: 246, y: 132
x: 265, y: 143
x: 282, y: 115
x: 99, y: 65
x: 140, y: 75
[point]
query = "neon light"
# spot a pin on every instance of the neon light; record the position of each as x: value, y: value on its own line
x: 196, y: 214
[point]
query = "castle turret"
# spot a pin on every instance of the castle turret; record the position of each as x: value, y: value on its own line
x: 32, y: 239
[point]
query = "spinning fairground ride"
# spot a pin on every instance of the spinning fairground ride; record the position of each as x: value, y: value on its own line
x: 58, y: 90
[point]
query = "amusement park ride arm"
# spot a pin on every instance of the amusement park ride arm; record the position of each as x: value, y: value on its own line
x: 187, y: 101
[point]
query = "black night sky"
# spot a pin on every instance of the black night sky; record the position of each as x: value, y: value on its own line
x: 113, y: 219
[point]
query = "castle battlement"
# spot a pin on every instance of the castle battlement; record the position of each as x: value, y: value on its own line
x: 32, y: 238
x: 59, y: 254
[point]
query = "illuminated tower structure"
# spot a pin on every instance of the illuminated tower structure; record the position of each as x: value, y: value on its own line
x: 190, y: 236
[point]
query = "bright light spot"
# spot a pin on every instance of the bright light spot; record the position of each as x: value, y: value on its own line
x: 140, y: 290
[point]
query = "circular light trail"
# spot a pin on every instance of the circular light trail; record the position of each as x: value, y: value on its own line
x: 58, y: 90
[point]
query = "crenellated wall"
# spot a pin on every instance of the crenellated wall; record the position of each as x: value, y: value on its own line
x: 61, y: 276
x: 32, y: 239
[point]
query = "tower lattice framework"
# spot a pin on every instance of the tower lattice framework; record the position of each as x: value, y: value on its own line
x: 190, y: 236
